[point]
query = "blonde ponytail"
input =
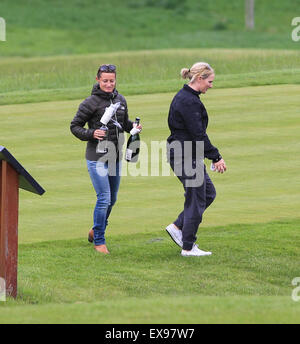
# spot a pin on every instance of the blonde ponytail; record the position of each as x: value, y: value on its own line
x: 202, y: 69
x: 185, y: 73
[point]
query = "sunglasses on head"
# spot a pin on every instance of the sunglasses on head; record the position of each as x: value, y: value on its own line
x: 106, y: 68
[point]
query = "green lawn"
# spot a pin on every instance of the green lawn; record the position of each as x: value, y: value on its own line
x: 47, y: 67
x: 252, y: 228
x: 42, y: 28
x: 181, y: 309
x: 28, y: 80
x: 257, y: 136
x: 145, y: 280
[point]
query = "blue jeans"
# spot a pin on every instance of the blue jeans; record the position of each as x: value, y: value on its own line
x: 106, y: 187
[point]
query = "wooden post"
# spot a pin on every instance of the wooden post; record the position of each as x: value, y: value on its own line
x: 13, y: 177
x: 249, y: 14
x: 9, y: 206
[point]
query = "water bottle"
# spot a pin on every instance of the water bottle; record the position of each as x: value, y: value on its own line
x: 102, y: 144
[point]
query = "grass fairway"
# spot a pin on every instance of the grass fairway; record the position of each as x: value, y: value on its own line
x: 141, y: 72
x: 80, y: 27
x: 252, y: 228
x: 47, y: 66
x: 145, y: 280
x: 256, y: 129
x: 167, y: 310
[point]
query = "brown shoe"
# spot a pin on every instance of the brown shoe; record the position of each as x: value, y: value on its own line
x: 91, y: 235
x: 101, y: 248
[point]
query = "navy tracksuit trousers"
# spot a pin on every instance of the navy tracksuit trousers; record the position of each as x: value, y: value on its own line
x: 197, y: 199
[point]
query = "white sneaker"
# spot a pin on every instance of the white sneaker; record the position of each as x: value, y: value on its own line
x: 175, y: 234
x: 195, y: 251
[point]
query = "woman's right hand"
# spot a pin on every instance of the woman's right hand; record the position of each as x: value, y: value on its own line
x: 99, y: 134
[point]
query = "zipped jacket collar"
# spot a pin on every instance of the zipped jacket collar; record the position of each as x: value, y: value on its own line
x: 191, y: 90
x: 96, y: 90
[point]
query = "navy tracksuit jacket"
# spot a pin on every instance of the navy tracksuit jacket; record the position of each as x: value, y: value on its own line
x: 188, y: 121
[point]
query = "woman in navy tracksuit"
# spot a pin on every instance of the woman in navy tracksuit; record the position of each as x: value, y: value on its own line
x: 188, y: 121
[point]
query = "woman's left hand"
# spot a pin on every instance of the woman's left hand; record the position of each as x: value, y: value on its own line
x: 220, y: 166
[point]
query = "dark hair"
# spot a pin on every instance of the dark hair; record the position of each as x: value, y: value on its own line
x: 106, y: 68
